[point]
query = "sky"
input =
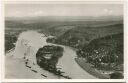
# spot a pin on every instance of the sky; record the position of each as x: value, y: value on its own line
x: 34, y: 10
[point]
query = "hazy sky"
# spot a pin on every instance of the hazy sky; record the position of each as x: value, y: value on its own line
x: 32, y: 10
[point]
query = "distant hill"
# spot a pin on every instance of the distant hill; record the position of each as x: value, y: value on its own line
x: 84, y: 34
x: 72, y: 31
x: 58, y: 25
x: 66, y: 18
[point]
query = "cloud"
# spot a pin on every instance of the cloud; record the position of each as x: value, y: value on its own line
x: 38, y: 13
x: 107, y: 12
x: 62, y: 10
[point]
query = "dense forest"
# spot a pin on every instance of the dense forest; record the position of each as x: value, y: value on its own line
x: 105, y: 53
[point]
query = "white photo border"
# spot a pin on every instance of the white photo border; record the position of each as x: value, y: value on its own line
x: 3, y: 79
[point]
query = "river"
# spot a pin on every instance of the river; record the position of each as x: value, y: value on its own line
x: 34, y: 40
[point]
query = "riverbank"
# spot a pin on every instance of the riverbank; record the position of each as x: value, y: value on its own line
x: 87, y: 67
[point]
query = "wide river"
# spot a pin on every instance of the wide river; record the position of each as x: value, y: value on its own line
x: 66, y: 62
